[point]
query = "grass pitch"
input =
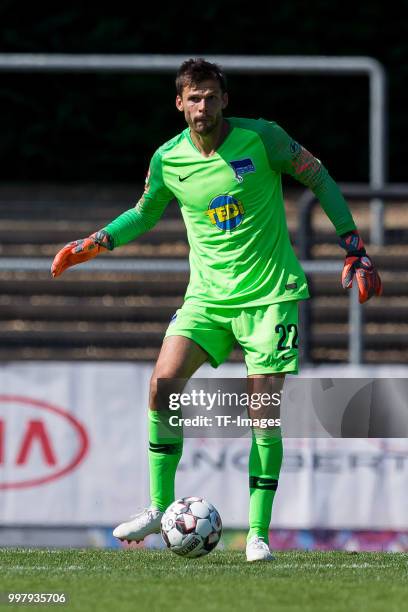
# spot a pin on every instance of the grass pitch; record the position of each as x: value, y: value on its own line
x: 139, y: 580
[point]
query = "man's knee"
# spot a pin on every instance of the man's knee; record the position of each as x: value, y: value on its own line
x: 153, y: 392
x: 162, y: 383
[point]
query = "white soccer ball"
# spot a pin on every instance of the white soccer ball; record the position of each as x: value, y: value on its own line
x: 191, y: 527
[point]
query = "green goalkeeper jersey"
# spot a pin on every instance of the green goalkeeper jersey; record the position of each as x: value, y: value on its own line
x: 232, y: 206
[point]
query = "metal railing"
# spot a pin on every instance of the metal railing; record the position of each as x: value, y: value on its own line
x: 360, y: 193
x: 244, y: 64
x: 106, y: 264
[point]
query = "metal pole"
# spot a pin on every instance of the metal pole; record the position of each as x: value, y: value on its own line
x: 378, y: 149
x: 355, y: 327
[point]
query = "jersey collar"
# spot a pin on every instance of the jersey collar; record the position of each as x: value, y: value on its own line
x: 190, y: 140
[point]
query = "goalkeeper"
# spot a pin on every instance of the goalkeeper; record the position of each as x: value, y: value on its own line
x: 245, y: 282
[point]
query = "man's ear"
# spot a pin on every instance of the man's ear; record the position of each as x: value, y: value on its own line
x: 224, y: 100
x: 179, y: 103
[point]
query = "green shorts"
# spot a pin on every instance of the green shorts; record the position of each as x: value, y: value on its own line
x: 267, y: 334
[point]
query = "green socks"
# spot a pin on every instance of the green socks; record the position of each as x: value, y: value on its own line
x: 165, y: 448
x: 265, y: 461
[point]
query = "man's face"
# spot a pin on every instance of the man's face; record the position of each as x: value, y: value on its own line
x: 202, y: 104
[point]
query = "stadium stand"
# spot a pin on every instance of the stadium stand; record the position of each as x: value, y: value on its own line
x: 100, y: 315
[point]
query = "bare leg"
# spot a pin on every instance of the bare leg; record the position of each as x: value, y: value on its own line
x: 179, y: 357
x: 265, y: 383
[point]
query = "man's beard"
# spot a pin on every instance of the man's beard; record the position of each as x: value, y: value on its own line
x: 206, y: 127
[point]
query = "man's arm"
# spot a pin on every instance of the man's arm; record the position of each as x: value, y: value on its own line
x: 128, y: 226
x: 288, y: 156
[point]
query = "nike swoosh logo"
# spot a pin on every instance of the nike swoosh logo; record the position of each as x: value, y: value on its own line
x: 184, y: 178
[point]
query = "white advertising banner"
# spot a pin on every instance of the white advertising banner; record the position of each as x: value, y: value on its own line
x: 73, y: 451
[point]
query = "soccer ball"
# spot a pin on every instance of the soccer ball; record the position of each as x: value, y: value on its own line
x: 191, y: 527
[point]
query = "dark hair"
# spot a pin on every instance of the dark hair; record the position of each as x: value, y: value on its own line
x: 194, y: 71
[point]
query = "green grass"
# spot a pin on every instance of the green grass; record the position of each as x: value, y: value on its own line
x: 139, y: 580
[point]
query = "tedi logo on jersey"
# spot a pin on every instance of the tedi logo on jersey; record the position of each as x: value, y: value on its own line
x: 225, y: 212
x: 242, y: 166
